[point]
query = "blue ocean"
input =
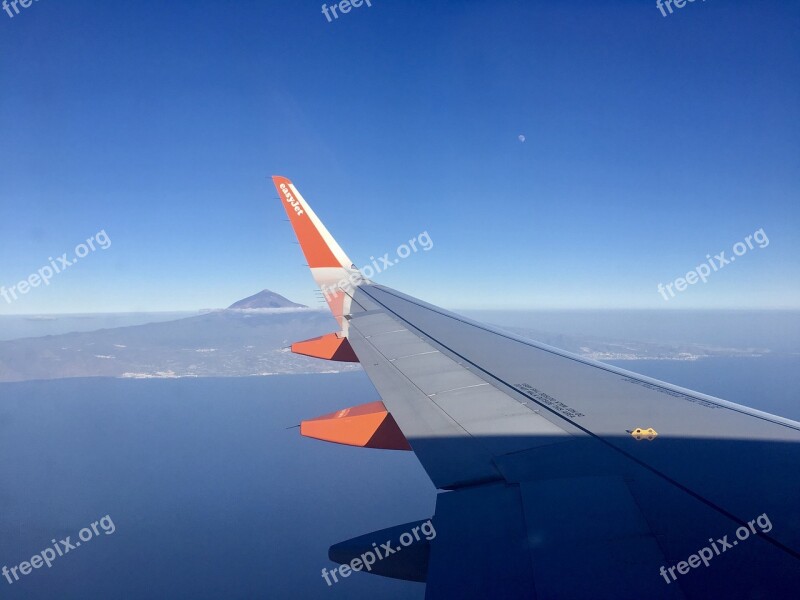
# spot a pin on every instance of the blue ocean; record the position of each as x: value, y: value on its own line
x: 214, y: 494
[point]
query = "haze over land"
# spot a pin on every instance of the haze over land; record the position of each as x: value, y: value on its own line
x: 231, y: 343
x: 253, y: 336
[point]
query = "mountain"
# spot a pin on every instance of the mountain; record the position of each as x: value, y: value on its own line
x: 222, y: 343
x: 265, y: 299
x: 249, y: 338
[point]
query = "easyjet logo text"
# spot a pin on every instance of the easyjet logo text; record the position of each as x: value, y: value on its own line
x: 290, y: 199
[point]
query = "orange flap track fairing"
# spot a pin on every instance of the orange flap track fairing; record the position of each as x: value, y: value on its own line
x: 366, y: 426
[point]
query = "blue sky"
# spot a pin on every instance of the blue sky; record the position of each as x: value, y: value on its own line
x: 650, y: 142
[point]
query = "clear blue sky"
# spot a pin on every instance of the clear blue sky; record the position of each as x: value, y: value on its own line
x: 650, y: 142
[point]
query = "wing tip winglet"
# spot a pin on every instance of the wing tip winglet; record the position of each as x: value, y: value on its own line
x: 328, y: 262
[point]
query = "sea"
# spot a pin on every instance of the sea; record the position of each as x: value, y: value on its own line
x: 213, y: 493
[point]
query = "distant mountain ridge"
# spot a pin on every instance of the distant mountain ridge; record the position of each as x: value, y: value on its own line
x: 265, y: 299
x: 224, y: 343
x: 252, y: 337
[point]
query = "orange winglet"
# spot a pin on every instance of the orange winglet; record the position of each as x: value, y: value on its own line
x: 319, y: 252
x: 329, y: 347
x: 366, y: 426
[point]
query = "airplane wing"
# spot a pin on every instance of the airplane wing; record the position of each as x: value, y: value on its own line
x: 559, y: 476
